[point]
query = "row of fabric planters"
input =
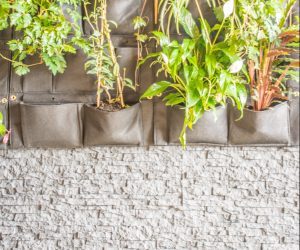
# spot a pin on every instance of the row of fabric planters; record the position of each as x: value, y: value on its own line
x: 76, y: 125
x: 278, y: 125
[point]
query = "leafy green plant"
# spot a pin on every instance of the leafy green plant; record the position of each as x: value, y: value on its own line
x: 102, y: 55
x: 41, y: 29
x: 3, y: 131
x: 269, y: 38
x: 170, y: 12
x: 201, y: 72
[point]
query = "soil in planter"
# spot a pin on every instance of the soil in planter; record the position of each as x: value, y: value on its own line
x: 110, y: 107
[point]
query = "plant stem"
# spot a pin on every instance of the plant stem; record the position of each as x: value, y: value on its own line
x: 27, y: 65
x: 201, y: 16
x: 100, y: 61
x: 114, y: 58
x: 156, y: 11
x: 219, y: 31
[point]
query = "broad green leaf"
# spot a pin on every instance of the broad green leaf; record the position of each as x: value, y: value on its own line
x: 242, y: 94
x: 211, y: 63
x: 192, y: 97
x: 219, y: 13
x: 156, y: 89
x: 205, y: 30
x: 173, y: 99
x: 188, y: 23
x: 2, y: 130
x: 162, y: 39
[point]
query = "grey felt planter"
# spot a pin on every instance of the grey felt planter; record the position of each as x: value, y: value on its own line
x: 51, y: 126
x: 112, y: 128
x: 5, y: 34
x: 4, y: 72
x: 74, y: 79
x: 294, y: 121
x: 38, y: 80
x: 4, y: 111
x: 123, y: 12
x: 212, y: 128
x: 269, y: 127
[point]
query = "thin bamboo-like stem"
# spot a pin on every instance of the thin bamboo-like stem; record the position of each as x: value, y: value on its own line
x: 156, y: 4
x: 100, y: 61
x: 201, y: 16
x: 111, y: 48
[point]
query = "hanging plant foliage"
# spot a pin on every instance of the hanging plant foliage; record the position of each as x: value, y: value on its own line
x: 40, y: 28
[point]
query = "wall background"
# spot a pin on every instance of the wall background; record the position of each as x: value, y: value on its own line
x: 156, y: 198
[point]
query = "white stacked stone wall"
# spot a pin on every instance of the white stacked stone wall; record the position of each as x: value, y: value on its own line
x: 150, y: 198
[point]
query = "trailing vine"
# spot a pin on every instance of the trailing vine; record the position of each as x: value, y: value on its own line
x: 40, y: 29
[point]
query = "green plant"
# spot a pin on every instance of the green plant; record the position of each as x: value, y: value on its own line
x: 139, y: 24
x: 41, y: 29
x: 202, y: 71
x: 269, y: 38
x: 169, y: 12
x: 102, y: 55
x: 3, y: 130
x: 167, y: 9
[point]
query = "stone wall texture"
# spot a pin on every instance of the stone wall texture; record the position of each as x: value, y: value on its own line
x: 150, y: 198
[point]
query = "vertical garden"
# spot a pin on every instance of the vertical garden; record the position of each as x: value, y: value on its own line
x: 77, y: 73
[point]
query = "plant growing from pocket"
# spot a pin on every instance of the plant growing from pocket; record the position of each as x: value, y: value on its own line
x: 169, y: 12
x: 4, y: 132
x: 41, y: 29
x: 140, y: 22
x: 202, y: 71
x: 102, y: 58
x: 269, y: 37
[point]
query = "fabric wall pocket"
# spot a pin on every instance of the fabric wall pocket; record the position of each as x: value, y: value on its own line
x: 121, y: 12
x: 51, y: 126
x: 269, y: 127
x: 148, y: 126
x: 112, y: 128
x: 212, y: 128
x: 74, y: 79
x: 127, y: 58
x: 5, y: 34
x: 16, y: 140
x: 294, y: 121
x: 39, y: 79
x: 160, y: 123
x: 4, y: 72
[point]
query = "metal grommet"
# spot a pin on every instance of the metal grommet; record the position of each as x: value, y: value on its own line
x: 13, y: 98
x: 4, y: 100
